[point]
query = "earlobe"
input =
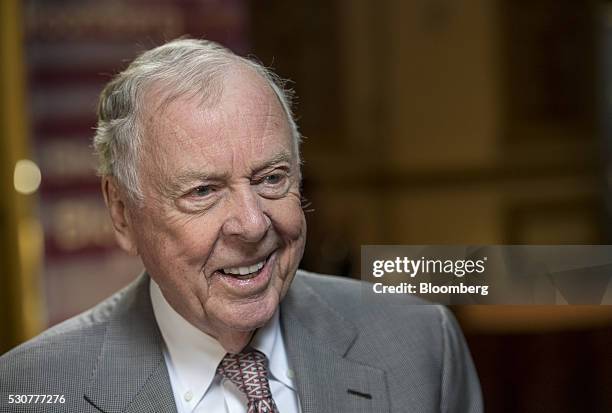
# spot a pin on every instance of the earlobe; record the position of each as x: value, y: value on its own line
x: 117, y: 206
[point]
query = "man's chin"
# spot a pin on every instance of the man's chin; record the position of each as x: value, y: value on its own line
x: 247, y: 315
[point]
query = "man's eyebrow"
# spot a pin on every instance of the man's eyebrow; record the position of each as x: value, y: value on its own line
x: 187, y: 178
x: 276, y: 159
x: 177, y: 183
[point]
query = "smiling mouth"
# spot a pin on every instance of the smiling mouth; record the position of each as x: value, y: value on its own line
x: 245, y: 272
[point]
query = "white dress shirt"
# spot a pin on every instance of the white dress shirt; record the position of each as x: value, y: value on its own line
x: 192, y: 358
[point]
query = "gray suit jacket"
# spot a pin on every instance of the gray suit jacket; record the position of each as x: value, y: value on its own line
x: 348, y: 355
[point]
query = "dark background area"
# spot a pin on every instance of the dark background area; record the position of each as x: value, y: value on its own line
x: 425, y: 122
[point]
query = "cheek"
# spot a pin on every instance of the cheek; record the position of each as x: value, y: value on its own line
x: 175, y: 244
x: 288, y: 219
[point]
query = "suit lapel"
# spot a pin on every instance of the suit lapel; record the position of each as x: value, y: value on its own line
x: 317, y: 341
x: 131, y: 375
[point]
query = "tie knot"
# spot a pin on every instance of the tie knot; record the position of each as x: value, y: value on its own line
x: 248, y: 370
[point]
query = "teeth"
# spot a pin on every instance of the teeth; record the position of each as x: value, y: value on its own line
x: 244, y: 270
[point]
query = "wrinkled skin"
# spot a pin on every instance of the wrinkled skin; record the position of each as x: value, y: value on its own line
x: 221, y: 189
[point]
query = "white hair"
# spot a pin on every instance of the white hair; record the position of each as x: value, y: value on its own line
x: 182, y: 67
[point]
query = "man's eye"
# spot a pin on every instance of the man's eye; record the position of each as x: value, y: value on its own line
x: 202, y: 191
x: 273, y: 179
x: 273, y: 186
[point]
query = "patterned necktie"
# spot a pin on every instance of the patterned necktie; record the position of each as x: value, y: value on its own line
x: 249, y: 372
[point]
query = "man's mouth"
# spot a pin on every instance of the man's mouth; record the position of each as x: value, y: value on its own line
x: 245, y: 272
x: 248, y: 277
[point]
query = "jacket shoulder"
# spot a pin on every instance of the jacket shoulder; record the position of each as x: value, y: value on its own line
x: 416, y: 343
x: 61, y: 354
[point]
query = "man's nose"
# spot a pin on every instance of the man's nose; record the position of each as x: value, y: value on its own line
x: 246, y: 218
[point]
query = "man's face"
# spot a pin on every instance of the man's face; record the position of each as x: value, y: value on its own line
x: 221, y: 228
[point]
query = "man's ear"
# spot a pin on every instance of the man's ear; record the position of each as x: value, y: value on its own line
x: 116, y: 203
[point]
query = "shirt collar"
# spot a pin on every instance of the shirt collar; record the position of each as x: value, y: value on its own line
x: 195, y: 355
x: 269, y: 340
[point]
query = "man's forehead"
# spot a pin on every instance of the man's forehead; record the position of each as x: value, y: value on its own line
x: 189, y: 130
x: 246, y: 106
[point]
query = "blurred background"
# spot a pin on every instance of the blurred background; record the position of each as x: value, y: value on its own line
x: 426, y: 122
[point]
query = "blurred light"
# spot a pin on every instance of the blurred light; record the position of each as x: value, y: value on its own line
x: 26, y: 177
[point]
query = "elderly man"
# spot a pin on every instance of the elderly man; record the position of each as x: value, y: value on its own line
x: 199, y: 157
